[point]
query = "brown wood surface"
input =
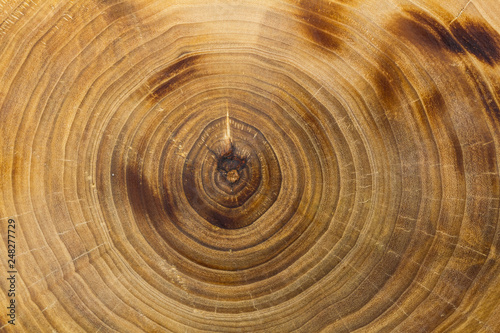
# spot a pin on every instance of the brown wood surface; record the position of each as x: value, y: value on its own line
x: 250, y: 166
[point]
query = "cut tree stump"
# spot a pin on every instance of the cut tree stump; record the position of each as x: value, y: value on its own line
x: 250, y: 166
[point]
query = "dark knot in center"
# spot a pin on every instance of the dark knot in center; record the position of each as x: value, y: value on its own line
x: 230, y: 163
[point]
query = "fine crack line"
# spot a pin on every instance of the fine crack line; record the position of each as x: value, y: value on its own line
x: 460, y: 13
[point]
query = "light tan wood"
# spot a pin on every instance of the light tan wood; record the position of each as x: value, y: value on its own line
x: 250, y: 166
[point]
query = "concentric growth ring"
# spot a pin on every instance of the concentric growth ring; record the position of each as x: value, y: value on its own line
x: 251, y: 166
x: 231, y: 177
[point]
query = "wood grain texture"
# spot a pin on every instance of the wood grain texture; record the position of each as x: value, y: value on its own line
x: 251, y: 166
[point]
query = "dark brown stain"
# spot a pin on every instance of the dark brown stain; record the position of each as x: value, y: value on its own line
x: 459, y: 156
x: 383, y: 81
x: 479, y: 39
x: 438, y: 112
x: 490, y: 160
x: 424, y: 30
x: 323, y: 38
x: 139, y: 191
x: 435, y: 102
x: 116, y: 9
x: 485, y: 94
x: 173, y: 76
x: 316, y: 26
x: 146, y: 200
x: 489, y: 102
x: 473, y: 270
